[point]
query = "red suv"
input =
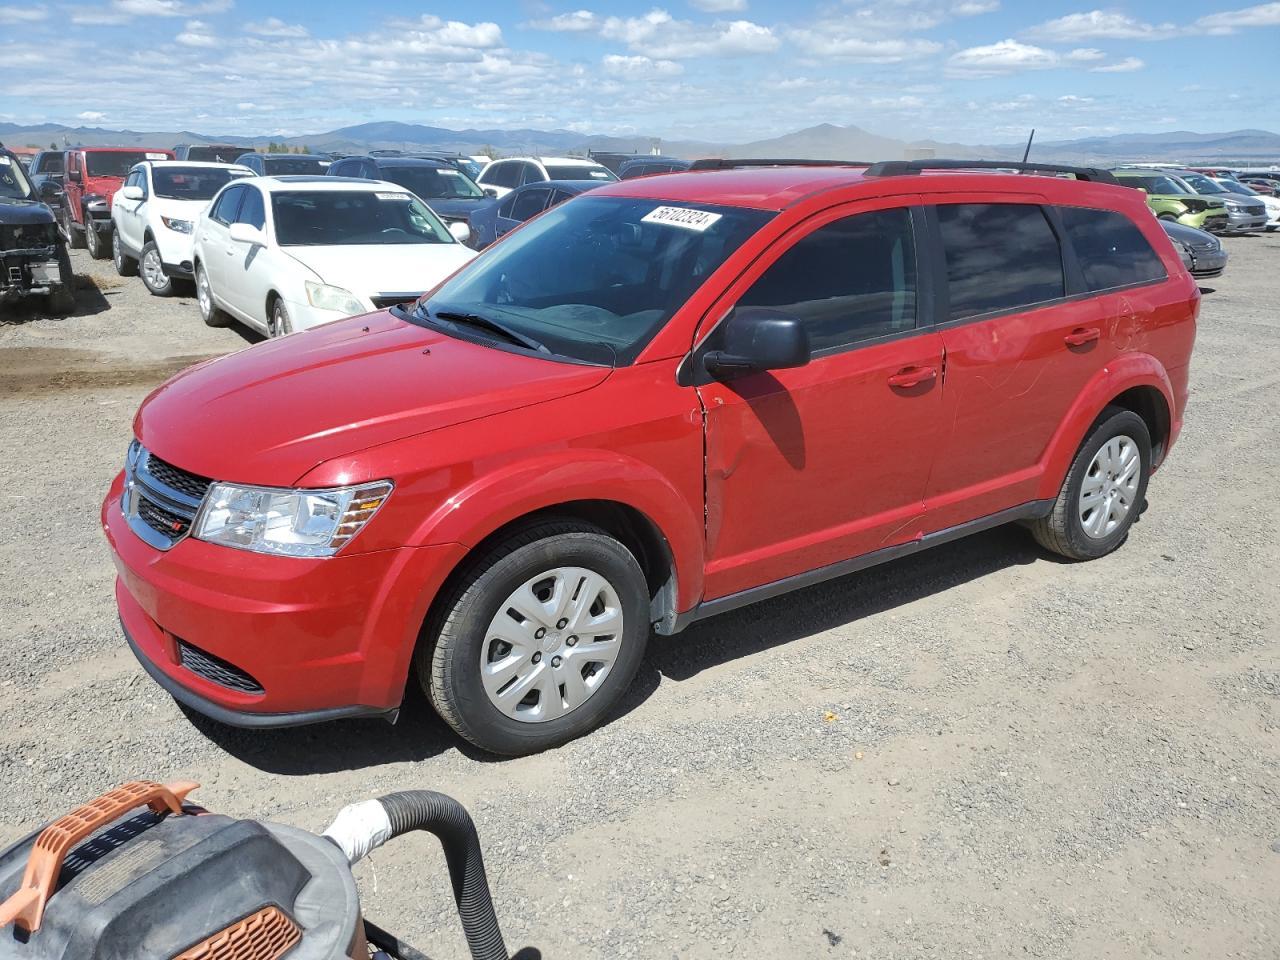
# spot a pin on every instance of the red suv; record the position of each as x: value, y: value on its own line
x: 667, y: 398
x: 92, y: 177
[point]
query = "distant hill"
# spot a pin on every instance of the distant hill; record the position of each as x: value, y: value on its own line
x: 825, y: 141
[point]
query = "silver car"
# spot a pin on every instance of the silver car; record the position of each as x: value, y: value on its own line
x: 1201, y: 252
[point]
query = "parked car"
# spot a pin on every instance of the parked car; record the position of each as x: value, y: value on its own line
x: 207, y: 152
x: 1270, y: 175
x: 92, y: 177
x: 1218, y: 173
x: 289, y: 253
x: 47, y: 167
x: 505, y: 175
x: 1202, y: 252
x: 1270, y: 203
x: 614, y: 159
x: 33, y: 257
x: 1246, y: 213
x: 283, y: 164
x: 1261, y: 186
x: 1171, y: 199
x: 154, y: 216
x: 450, y: 193
x: 467, y: 165
x: 499, y: 217
x: 660, y: 401
x: 648, y: 166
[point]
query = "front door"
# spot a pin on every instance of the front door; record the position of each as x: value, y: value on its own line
x: 813, y: 465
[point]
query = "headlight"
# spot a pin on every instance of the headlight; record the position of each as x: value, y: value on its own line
x: 291, y: 523
x: 178, y: 226
x: 333, y: 298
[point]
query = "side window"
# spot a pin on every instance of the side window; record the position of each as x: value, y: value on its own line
x: 851, y: 280
x: 508, y: 204
x: 559, y: 197
x: 252, y: 210
x: 529, y: 204
x: 1110, y: 248
x: 532, y: 174
x: 73, y: 161
x: 1000, y: 256
x: 502, y: 174
x: 339, y: 168
x: 224, y: 211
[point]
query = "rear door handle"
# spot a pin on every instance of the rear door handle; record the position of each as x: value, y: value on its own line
x: 912, y: 376
x: 1081, y: 335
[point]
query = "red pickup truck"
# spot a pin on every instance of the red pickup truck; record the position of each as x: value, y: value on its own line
x: 92, y: 176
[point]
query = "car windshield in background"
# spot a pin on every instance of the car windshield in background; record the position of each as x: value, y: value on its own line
x: 1158, y: 185
x: 14, y: 184
x: 50, y: 163
x: 594, y: 279
x: 116, y: 164
x: 471, y: 168
x: 355, y: 218
x: 1243, y: 189
x: 213, y: 154
x: 575, y: 172
x: 1202, y: 184
x: 191, y: 183
x: 291, y: 166
x: 433, y: 183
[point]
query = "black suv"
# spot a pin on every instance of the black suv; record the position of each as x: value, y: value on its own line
x: 33, y: 256
x: 441, y: 185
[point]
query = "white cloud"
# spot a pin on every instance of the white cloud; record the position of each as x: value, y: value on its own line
x: 93, y: 116
x: 1006, y: 56
x: 660, y: 36
x: 1231, y: 21
x: 1085, y: 55
x: 638, y: 66
x: 1127, y: 65
x: 1072, y: 98
x: 169, y: 8
x: 1100, y: 25
x: 580, y: 21
x: 197, y: 34
x: 97, y: 17
x: 32, y: 14
x: 275, y: 27
x: 822, y: 43
x: 719, y: 6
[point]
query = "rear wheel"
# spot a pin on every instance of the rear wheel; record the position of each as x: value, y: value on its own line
x: 209, y: 312
x: 538, y: 640
x: 125, y: 265
x: 99, y: 248
x: 1103, y: 492
x: 152, y: 269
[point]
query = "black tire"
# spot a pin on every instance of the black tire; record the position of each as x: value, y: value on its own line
x: 74, y: 237
x: 62, y: 300
x: 98, y: 248
x: 447, y: 661
x: 279, y: 324
x: 125, y: 265
x: 209, y: 311
x: 1167, y: 216
x: 1062, y: 531
x: 157, y: 288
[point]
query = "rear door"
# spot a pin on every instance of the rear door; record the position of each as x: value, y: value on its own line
x: 1022, y: 337
x: 814, y: 465
x: 249, y: 275
x: 130, y: 215
x: 215, y: 243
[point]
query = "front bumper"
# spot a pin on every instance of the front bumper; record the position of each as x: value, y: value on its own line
x: 319, y: 639
x: 29, y: 272
x: 176, y: 251
x: 304, y: 316
x: 1207, y: 264
x: 1246, y: 223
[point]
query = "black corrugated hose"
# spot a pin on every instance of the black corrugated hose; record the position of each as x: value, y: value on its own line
x: 450, y: 822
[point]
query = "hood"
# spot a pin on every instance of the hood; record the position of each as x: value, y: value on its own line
x: 369, y: 270
x: 457, y: 208
x: 272, y: 412
x: 102, y: 186
x: 16, y: 212
x: 179, y: 209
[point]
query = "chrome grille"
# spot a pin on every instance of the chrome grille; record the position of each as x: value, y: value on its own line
x: 160, y: 501
x: 216, y: 670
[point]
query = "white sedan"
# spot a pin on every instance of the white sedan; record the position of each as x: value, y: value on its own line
x: 288, y: 253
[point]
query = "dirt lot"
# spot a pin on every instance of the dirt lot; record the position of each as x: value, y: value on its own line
x: 975, y: 752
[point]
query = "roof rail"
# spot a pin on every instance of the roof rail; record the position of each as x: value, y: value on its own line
x: 900, y: 168
x: 719, y: 163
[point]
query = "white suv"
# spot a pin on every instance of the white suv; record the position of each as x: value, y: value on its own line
x: 503, y: 176
x: 154, y: 214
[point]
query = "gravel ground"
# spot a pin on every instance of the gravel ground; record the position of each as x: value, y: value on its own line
x: 974, y: 752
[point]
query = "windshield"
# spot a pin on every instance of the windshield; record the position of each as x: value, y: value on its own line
x: 290, y: 166
x: 433, y: 183
x: 14, y: 184
x: 356, y: 218
x: 471, y: 168
x: 596, y: 278
x: 1243, y: 189
x: 191, y: 183
x: 1202, y: 184
x: 579, y: 172
x: 117, y: 163
x: 1158, y: 184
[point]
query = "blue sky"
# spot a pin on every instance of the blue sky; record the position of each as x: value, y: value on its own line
x: 731, y: 70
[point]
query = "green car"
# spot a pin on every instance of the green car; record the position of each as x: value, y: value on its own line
x: 1171, y: 199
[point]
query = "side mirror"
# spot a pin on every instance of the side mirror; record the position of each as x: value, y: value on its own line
x: 461, y: 232
x: 246, y: 233
x: 757, y: 339
x: 491, y: 193
x: 74, y: 176
x: 131, y: 192
x: 49, y: 190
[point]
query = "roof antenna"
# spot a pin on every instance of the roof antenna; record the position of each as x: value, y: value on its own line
x: 1027, y: 152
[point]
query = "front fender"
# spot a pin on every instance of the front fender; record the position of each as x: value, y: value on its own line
x: 495, y: 499
x: 1124, y: 373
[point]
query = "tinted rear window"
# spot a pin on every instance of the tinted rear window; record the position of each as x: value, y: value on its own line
x: 1110, y: 248
x: 49, y: 163
x: 578, y: 172
x: 117, y: 163
x: 291, y: 166
x: 1000, y: 256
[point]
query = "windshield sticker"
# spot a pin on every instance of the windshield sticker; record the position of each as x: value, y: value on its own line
x: 393, y: 196
x: 698, y: 220
x: 157, y: 156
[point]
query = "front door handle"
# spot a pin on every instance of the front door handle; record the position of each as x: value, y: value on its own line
x: 913, y: 376
x: 1081, y: 335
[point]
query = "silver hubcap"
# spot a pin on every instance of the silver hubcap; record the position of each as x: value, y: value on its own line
x: 115, y: 250
x: 551, y: 644
x: 1110, y: 488
x: 152, y: 271
x: 202, y: 294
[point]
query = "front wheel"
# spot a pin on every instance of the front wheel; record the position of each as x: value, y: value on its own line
x: 1103, y: 492
x: 279, y: 324
x: 151, y: 266
x: 538, y: 640
x: 99, y: 249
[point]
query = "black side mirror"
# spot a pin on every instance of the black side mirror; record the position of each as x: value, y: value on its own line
x: 757, y: 339
x: 73, y: 176
x: 49, y: 190
x: 491, y: 193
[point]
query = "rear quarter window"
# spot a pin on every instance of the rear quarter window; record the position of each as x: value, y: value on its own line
x: 1111, y: 250
x: 1000, y: 257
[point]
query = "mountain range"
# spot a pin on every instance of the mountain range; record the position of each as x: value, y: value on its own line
x: 825, y: 141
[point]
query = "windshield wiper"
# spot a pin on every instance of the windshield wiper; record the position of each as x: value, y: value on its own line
x: 493, y: 326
